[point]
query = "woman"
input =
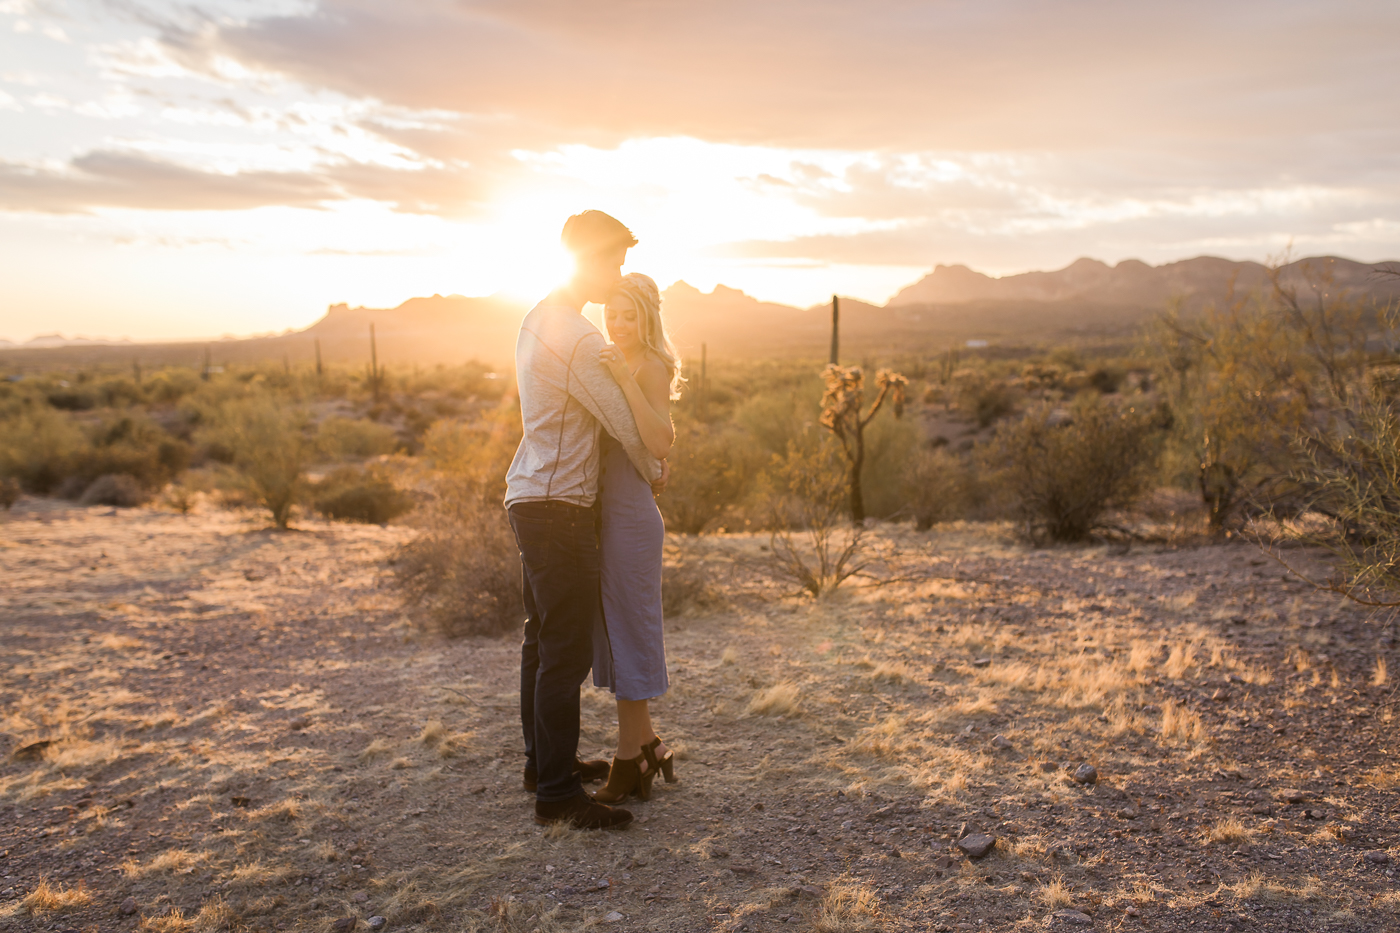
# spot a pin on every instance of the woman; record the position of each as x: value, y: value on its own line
x: 629, y: 654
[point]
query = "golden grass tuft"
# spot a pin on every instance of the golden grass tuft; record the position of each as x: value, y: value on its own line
x: 173, y: 922
x: 1055, y: 894
x: 1229, y: 830
x: 171, y: 860
x: 433, y: 733
x: 848, y: 906
x: 379, y: 748
x: 1181, y: 659
x: 1380, y: 676
x: 778, y: 700
x: 49, y: 898
x: 892, y: 672
x: 283, y: 811
x: 730, y: 656
x: 114, y: 642
x: 1179, y: 724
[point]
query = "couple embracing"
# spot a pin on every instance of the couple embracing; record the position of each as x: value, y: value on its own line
x: 580, y: 493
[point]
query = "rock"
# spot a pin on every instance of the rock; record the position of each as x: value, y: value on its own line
x: 344, y: 924
x: 1086, y: 774
x: 1001, y: 741
x: 977, y: 845
x: 1048, y: 766
x: 376, y: 923
x: 1075, y: 917
x: 612, y: 916
x: 129, y: 906
x: 1262, y: 809
x: 1292, y: 795
x: 301, y: 722
x: 1377, y: 857
x: 1132, y: 912
x: 1127, y: 813
x: 981, y: 662
x: 359, y: 897
x: 31, y: 752
x: 1316, y: 815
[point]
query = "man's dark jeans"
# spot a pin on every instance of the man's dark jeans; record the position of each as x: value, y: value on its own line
x: 563, y: 601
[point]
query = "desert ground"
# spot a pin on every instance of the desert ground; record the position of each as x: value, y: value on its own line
x: 210, y: 725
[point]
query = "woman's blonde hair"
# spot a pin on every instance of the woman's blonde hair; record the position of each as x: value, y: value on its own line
x: 651, y: 330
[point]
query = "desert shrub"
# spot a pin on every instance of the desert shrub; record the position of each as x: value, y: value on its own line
x: 686, y: 585
x: 1350, y: 477
x: 812, y: 542
x: 983, y: 398
x: 269, y: 447
x: 10, y: 492
x: 462, y: 571
x: 941, y: 487
x: 356, y: 438
x: 891, y: 444
x: 39, y: 447
x: 119, y: 489
x: 356, y: 495
x: 711, y: 471
x: 179, y: 497
x: 1065, y: 476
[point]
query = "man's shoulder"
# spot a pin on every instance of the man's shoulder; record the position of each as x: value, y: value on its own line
x: 560, y: 326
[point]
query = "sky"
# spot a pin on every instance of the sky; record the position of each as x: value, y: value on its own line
x: 172, y: 169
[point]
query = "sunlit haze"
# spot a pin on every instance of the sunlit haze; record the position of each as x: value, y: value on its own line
x: 173, y: 169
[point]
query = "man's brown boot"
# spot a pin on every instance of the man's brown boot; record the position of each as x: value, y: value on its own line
x: 587, y: 771
x: 581, y: 812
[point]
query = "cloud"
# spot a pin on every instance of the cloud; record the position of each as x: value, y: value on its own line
x: 132, y: 180
x: 895, y: 74
x: 119, y: 179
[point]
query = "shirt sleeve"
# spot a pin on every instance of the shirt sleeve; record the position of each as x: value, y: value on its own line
x: 590, y: 383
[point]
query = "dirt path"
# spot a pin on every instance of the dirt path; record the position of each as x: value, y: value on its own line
x: 246, y: 734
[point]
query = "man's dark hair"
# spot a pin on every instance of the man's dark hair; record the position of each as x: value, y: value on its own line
x: 593, y: 232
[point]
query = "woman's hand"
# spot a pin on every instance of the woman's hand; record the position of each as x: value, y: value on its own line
x: 611, y: 357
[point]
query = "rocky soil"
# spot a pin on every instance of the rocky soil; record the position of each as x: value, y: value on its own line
x: 208, y: 725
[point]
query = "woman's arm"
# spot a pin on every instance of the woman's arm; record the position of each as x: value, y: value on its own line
x: 649, y: 396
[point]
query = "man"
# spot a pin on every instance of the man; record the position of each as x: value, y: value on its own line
x: 566, y: 398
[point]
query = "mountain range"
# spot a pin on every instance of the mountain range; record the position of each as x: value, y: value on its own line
x: 950, y: 305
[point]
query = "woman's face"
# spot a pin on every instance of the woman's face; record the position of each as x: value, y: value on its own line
x: 620, y: 317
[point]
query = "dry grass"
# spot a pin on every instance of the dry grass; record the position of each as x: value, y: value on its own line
x: 781, y: 699
x: 1055, y: 894
x: 1229, y: 830
x: 433, y: 734
x: 848, y: 906
x: 378, y: 748
x: 1179, y: 724
x: 49, y: 898
x: 1180, y: 660
x: 1380, y: 676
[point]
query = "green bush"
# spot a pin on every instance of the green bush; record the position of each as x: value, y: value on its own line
x: 269, y: 445
x: 356, y: 438
x: 1063, y: 477
x: 941, y: 487
x: 711, y: 468
x: 10, y: 492
x: 40, y: 448
x: 983, y: 398
x: 355, y: 495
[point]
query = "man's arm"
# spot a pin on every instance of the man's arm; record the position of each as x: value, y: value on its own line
x: 597, y: 391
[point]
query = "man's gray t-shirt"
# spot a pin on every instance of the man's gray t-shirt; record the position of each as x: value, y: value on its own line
x: 566, y: 397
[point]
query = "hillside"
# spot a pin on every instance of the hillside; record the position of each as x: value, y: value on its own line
x: 951, y: 304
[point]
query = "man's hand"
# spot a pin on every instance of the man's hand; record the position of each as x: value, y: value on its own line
x: 658, y: 487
